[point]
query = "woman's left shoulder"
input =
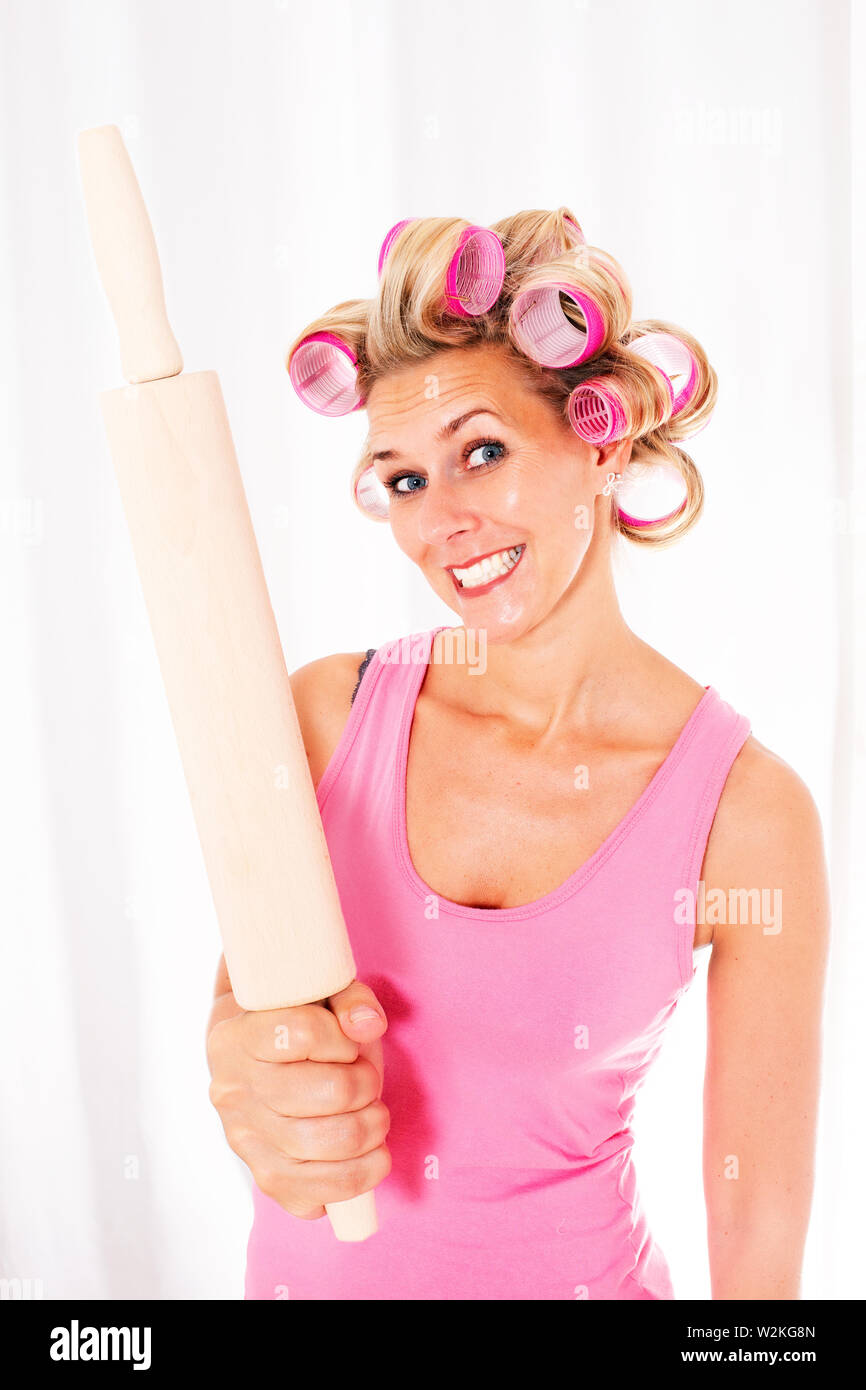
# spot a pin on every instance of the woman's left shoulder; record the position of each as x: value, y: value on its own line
x: 767, y: 822
x: 762, y: 787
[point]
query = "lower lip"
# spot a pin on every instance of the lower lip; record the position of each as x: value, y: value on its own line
x: 480, y: 589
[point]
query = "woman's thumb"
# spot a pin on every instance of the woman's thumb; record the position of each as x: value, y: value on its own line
x: 358, y: 1012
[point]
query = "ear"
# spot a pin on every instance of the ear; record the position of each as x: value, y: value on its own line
x: 612, y: 458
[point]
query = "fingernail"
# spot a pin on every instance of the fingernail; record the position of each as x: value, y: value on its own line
x: 362, y: 1014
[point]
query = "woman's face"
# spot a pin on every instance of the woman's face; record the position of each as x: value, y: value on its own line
x: 491, y: 494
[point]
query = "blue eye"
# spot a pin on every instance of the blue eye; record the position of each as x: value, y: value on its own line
x: 414, y: 479
x: 483, y: 448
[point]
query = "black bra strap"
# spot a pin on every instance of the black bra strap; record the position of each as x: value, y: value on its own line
x: 371, y: 652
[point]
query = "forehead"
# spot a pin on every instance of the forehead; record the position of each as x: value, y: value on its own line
x: 425, y: 392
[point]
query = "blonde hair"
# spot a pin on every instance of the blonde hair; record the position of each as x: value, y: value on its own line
x: 405, y: 324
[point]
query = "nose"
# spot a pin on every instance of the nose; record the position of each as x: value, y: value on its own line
x: 443, y: 514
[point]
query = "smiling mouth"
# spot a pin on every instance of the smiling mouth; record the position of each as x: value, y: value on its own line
x: 487, y: 570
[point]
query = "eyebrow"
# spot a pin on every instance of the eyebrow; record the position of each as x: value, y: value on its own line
x: 446, y: 431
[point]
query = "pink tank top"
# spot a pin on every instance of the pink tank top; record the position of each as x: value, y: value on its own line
x: 517, y: 1038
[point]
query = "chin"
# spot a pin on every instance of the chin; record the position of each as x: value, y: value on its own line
x: 499, y: 626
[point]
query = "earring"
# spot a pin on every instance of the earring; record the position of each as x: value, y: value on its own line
x: 613, y: 481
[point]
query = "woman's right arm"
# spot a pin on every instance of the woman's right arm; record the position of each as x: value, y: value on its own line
x: 298, y: 1090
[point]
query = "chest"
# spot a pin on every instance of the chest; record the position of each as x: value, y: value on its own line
x: 493, y: 824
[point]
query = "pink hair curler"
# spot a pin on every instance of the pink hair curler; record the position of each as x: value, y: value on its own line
x: 476, y: 271
x: 596, y: 408
x: 596, y: 412
x: 598, y: 415
x: 323, y: 371
x: 542, y: 331
x: 390, y: 238
x: 657, y: 494
x: 675, y: 360
x: 650, y: 521
x: 371, y: 494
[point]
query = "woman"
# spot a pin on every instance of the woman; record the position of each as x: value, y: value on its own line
x: 534, y: 819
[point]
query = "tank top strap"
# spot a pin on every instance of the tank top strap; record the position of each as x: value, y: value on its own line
x: 703, y: 770
x: 676, y: 825
x: 367, y: 752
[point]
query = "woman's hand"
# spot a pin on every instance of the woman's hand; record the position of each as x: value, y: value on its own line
x: 298, y: 1091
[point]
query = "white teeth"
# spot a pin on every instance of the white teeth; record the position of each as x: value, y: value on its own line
x: 491, y: 567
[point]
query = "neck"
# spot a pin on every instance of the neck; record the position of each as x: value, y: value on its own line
x: 580, y: 665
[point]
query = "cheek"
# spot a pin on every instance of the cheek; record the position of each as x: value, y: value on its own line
x: 550, y: 498
x: 403, y: 530
x: 394, y: 523
x: 553, y: 505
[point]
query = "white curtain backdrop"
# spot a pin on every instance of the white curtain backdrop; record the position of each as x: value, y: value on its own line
x: 712, y: 148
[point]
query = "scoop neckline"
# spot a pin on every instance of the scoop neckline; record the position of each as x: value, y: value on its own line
x: 575, y: 880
